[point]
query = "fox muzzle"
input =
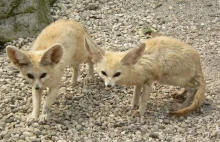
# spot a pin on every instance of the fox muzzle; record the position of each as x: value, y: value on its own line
x: 37, y: 85
x: 109, y: 84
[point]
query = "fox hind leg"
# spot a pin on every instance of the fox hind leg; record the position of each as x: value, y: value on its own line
x: 179, y: 94
x: 199, y: 84
x: 188, y: 100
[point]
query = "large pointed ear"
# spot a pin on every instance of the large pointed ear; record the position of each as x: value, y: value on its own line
x: 133, y: 55
x: 53, y: 55
x: 95, y: 53
x: 18, y: 57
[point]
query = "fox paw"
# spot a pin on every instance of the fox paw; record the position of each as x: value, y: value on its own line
x: 129, y: 109
x: 177, y: 96
x: 132, y: 107
x: 31, y: 118
x: 43, y: 118
x: 136, y: 113
x: 139, y: 113
x: 181, y: 94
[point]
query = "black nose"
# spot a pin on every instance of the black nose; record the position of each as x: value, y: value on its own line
x: 109, y: 86
x: 37, y: 87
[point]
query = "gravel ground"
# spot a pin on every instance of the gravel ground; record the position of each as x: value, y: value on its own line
x: 92, y: 113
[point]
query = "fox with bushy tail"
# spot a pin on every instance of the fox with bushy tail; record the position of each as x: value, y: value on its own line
x: 162, y: 59
x: 59, y: 45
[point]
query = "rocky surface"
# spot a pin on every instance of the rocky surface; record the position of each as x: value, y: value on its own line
x: 23, y: 18
x: 92, y: 113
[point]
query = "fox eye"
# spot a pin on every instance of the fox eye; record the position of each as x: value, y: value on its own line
x: 30, y: 76
x: 43, y: 75
x: 104, y: 73
x: 117, y: 74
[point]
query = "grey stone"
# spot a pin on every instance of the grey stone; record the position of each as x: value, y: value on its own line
x: 166, y: 121
x: 23, y: 18
x: 92, y: 7
x: 27, y: 134
x: 154, y: 135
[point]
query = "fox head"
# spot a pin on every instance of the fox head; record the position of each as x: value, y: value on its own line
x: 35, y: 66
x: 113, y: 67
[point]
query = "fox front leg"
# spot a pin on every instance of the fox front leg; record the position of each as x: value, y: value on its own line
x: 90, y: 74
x: 143, y: 101
x: 144, y: 98
x: 48, y: 102
x: 136, y: 96
x: 75, y: 75
x: 36, y: 100
x: 135, y: 101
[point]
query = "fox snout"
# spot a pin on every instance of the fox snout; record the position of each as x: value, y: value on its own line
x: 37, y: 85
x: 109, y: 83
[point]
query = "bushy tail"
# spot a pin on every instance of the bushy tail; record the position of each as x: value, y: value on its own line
x: 197, y: 101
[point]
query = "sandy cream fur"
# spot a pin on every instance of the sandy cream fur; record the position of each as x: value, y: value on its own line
x: 166, y: 60
x: 44, y: 57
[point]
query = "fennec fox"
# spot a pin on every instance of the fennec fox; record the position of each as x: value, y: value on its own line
x: 59, y: 45
x: 163, y: 59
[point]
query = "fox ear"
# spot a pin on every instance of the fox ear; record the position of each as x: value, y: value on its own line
x: 18, y: 57
x: 133, y: 55
x: 95, y: 53
x: 53, y: 55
